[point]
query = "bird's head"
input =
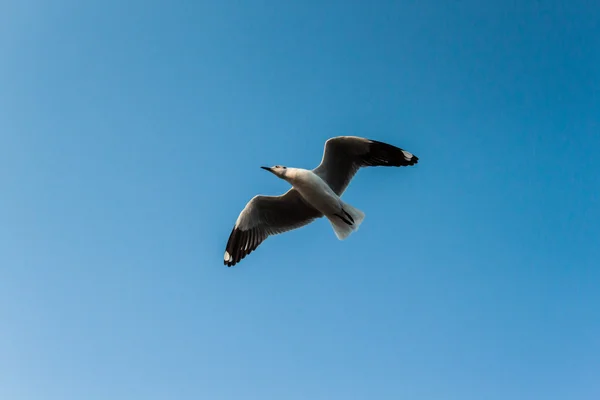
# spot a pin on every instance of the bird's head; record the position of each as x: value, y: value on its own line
x: 278, y: 170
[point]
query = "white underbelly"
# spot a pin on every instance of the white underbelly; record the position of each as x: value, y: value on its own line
x: 318, y: 194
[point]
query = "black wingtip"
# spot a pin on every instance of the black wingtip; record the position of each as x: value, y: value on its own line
x: 384, y: 154
x: 233, y: 256
x: 240, y: 244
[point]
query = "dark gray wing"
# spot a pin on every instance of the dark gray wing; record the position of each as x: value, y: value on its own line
x: 264, y: 216
x: 344, y: 155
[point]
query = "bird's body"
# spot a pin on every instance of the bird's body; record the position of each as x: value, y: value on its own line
x: 344, y: 218
x: 315, y: 191
x: 314, y: 194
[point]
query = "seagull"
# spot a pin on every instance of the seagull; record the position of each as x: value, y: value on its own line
x: 314, y: 194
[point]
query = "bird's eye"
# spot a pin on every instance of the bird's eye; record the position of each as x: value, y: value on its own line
x: 284, y: 167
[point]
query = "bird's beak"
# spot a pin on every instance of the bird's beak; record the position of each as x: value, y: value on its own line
x: 267, y: 168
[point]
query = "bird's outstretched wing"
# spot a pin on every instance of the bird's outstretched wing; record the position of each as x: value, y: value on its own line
x: 344, y: 155
x: 264, y: 216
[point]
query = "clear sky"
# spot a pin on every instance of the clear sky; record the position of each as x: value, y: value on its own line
x: 131, y: 136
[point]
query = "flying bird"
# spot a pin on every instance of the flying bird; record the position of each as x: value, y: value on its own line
x: 314, y: 194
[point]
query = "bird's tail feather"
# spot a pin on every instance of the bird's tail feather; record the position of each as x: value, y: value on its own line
x: 347, y: 221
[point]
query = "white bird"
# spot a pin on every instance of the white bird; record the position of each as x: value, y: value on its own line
x: 314, y: 194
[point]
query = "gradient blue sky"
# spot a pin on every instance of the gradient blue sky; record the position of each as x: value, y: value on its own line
x: 131, y: 136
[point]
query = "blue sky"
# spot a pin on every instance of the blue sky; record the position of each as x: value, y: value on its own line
x: 131, y: 137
